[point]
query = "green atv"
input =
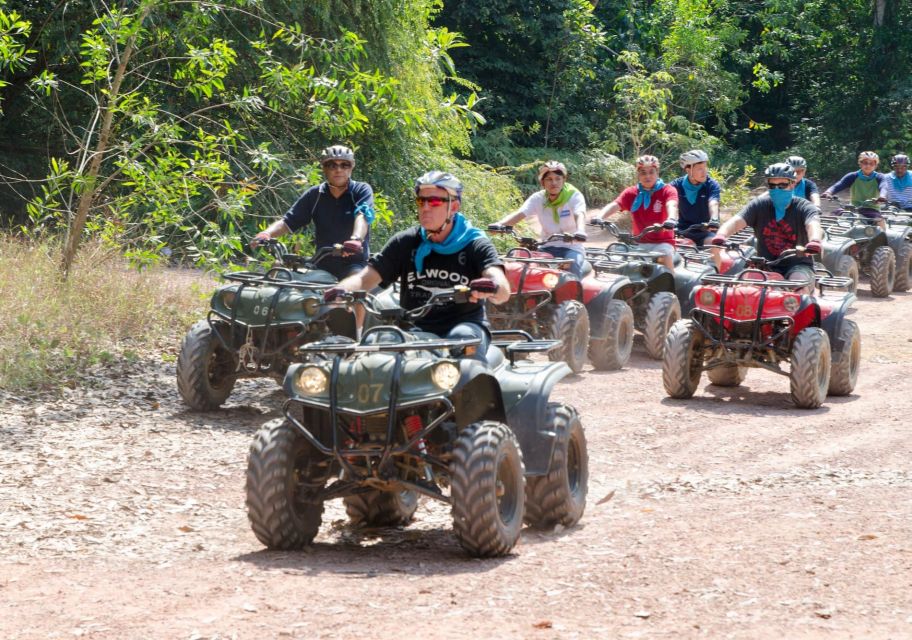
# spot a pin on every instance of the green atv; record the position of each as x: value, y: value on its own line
x: 255, y: 325
x: 402, y: 413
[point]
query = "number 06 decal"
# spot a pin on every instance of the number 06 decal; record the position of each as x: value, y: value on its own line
x: 369, y: 392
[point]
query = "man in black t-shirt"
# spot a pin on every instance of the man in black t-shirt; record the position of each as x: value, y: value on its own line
x: 441, y: 252
x: 341, y: 210
x: 780, y: 221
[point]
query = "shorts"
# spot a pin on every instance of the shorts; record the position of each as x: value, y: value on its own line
x: 664, y: 248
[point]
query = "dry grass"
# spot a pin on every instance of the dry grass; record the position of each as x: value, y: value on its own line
x: 51, y: 330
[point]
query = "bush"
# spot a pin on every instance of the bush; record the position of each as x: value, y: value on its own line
x: 105, y: 310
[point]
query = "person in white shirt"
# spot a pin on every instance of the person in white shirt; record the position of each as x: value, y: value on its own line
x: 897, y: 185
x: 559, y: 208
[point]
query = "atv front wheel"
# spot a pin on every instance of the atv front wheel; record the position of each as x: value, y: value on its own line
x: 903, y: 278
x: 848, y: 268
x: 662, y: 311
x: 728, y: 375
x: 560, y: 496
x: 487, y: 489
x: 844, y: 372
x: 206, y: 370
x: 569, y: 323
x: 376, y: 508
x: 810, y: 368
x: 882, y: 271
x: 284, y: 474
x: 613, y: 351
x: 682, y: 363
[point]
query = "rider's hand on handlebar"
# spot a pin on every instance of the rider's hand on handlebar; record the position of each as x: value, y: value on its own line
x: 499, y: 228
x: 719, y: 240
x: 580, y: 237
x: 259, y: 239
x: 713, y: 225
x: 813, y: 247
x: 483, y: 285
x: 671, y: 223
x: 597, y: 221
x: 333, y: 293
x: 352, y: 247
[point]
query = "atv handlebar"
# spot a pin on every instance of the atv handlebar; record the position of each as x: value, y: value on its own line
x: 456, y: 295
x: 292, y: 261
x: 532, y: 243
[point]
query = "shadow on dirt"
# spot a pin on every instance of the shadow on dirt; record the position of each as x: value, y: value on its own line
x: 741, y: 400
x: 369, y: 553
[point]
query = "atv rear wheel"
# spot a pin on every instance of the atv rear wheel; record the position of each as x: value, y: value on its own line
x: 848, y: 268
x: 613, y: 351
x: 728, y: 375
x: 810, y: 368
x: 903, y: 279
x: 376, y: 508
x: 569, y: 323
x: 284, y: 473
x: 487, y: 489
x: 206, y: 370
x: 844, y: 372
x: 662, y: 311
x: 882, y: 271
x: 560, y: 496
x: 682, y: 363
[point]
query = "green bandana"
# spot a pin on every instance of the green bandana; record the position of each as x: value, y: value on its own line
x: 562, y: 198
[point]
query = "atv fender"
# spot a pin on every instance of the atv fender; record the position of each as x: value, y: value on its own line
x: 833, y: 250
x: 526, y: 416
x: 663, y: 281
x: 477, y: 395
x: 686, y: 280
x: 898, y: 239
x: 341, y: 322
x: 568, y: 288
x: 621, y: 289
x: 832, y: 324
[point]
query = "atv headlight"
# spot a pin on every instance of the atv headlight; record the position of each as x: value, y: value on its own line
x: 707, y: 297
x: 791, y: 303
x: 311, y: 306
x: 228, y: 298
x: 445, y: 375
x: 311, y: 381
x: 550, y: 280
x: 870, y: 231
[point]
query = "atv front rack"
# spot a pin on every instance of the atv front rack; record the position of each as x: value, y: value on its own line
x: 525, y: 344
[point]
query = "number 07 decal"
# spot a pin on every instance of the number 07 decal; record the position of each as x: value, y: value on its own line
x: 369, y: 392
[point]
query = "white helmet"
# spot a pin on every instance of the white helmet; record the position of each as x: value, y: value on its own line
x: 442, y: 179
x: 693, y: 157
x: 337, y: 152
x: 797, y: 162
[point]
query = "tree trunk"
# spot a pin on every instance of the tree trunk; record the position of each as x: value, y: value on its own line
x: 77, y: 225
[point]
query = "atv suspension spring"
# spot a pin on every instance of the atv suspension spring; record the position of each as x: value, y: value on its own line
x: 413, y: 424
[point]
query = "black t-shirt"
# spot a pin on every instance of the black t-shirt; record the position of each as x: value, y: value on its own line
x: 396, y: 261
x: 333, y: 220
x: 775, y: 236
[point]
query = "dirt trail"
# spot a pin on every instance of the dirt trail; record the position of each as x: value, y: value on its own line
x: 733, y: 515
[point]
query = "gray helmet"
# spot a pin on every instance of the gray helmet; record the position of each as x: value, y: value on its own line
x: 440, y: 179
x: 780, y: 170
x: 797, y: 161
x: 337, y: 152
x: 692, y: 157
x: 899, y: 158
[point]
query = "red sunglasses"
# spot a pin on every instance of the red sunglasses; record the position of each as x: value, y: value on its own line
x: 434, y: 201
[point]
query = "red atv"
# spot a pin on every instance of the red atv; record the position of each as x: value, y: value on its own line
x: 550, y: 302
x: 758, y: 319
x: 732, y: 260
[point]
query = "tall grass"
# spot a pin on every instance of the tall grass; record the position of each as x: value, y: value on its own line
x: 51, y: 330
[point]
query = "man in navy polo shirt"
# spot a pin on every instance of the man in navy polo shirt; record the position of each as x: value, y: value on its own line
x: 341, y: 210
x: 698, y: 198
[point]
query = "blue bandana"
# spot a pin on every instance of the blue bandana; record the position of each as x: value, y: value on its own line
x: 781, y: 199
x: 901, y: 183
x: 460, y: 235
x: 690, y: 190
x: 367, y: 211
x: 799, y: 189
x: 644, y: 196
x: 865, y: 178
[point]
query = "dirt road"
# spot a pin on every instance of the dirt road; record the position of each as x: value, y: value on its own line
x: 732, y: 515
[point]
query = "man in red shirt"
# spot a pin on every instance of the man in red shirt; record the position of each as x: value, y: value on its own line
x: 649, y: 202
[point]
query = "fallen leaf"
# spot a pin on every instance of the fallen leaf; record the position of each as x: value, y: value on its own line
x: 78, y: 516
x: 867, y: 536
x: 543, y: 624
x: 642, y: 614
x: 185, y: 528
x: 250, y: 608
x: 606, y: 498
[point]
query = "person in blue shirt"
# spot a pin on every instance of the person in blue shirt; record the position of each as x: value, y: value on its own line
x: 897, y: 185
x: 804, y: 187
x: 341, y: 210
x: 698, y: 199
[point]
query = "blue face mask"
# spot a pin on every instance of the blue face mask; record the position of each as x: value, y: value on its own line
x: 781, y: 199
